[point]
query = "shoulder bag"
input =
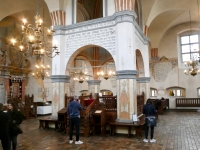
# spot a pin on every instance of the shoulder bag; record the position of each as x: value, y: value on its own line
x: 151, y: 121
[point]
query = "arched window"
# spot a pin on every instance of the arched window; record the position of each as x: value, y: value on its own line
x: 176, y: 91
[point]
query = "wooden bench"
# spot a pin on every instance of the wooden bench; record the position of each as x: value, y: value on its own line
x: 163, y: 106
x: 187, y: 102
x: 138, y: 127
x: 44, y: 123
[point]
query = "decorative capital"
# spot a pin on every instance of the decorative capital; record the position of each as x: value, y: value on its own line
x: 93, y: 82
x: 126, y: 74
x: 143, y: 79
x: 60, y: 78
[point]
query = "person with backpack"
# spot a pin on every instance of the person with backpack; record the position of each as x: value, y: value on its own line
x: 149, y: 111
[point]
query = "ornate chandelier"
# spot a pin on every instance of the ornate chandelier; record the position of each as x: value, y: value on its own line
x: 80, y: 77
x: 36, y: 39
x: 193, y: 67
x: 41, y: 71
x: 107, y: 74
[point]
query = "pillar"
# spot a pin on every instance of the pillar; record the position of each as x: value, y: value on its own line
x: 60, y: 88
x: 94, y: 86
x: 126, y: 95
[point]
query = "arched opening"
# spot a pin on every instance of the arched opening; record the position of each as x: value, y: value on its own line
x: 86, y: 62
x: 140, y: 64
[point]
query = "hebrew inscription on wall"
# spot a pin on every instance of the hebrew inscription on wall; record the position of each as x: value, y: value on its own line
x: 91, y: 35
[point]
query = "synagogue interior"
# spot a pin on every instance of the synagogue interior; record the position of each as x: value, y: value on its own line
x: 112, y: 55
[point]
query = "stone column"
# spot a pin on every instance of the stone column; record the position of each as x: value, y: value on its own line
x: 126, y: 95
x: 60, y: 88
x: 94, y: 86
x: 144, y: 86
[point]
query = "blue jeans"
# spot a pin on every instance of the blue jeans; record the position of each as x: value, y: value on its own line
x: 147, y: 130
x: 13, y: 140
x: 75, y: 121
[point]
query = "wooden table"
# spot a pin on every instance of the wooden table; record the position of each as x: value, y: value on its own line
x: 138, y: 127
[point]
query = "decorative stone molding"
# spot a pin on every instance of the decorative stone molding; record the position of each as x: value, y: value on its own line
x: 60, y: 78
x: 110, y: 21
x: 143, y: 80
x: 94, y: 82
x: 126, y: 74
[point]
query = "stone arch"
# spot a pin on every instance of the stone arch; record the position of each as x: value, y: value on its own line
x: 78, y: 50
x: 140, y: 64
x: 75, y: 54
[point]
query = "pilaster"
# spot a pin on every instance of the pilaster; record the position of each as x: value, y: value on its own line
x: 60, y: 88
x: 126, y: 95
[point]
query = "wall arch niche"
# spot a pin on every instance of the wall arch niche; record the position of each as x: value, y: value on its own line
x: 90, y: 59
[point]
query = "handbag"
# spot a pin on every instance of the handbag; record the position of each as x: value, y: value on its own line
x: 19, y: 129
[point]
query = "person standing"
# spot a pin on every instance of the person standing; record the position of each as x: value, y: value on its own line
x: 16, y: 118
x: 73, y: 111
x: 4, y: 134
x: 149, y: 111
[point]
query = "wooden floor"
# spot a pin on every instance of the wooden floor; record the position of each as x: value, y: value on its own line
x: 176, y: 130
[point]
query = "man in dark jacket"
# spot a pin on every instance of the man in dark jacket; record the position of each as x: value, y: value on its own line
x: 73, y: 111
x: 149, y: 111
x: 4, y: 134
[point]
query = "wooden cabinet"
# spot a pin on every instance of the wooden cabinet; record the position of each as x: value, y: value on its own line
x: 99, y: 122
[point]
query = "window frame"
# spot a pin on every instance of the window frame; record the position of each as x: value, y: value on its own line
x: 186, y: 34
x: 155, y: 92
x: 175, y: 89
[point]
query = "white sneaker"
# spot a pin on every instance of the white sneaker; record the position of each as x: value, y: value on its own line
x: 152, y: 140
x: 79, y: 142
x: 145, y: 140
x: 70, y: 141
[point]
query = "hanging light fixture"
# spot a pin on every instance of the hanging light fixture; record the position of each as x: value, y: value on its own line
x: 80, y: 77
x: 193, y: 67
x: 107, y: 74
x: 195, y: 60
x: 36, y: 39
x: 41, y: 71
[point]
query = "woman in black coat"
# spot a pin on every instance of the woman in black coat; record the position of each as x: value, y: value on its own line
x: 16, y: 119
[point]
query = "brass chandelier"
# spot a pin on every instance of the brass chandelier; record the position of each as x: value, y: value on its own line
x: 80, y: 77
x: 107, y: 74
x: 41, y: 71
x: 193, y: 67
x: 35, y: 39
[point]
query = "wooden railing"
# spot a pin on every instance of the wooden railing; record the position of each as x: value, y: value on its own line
x: 109, y: 103
x: 162, y: 106
x: 187, y: 102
